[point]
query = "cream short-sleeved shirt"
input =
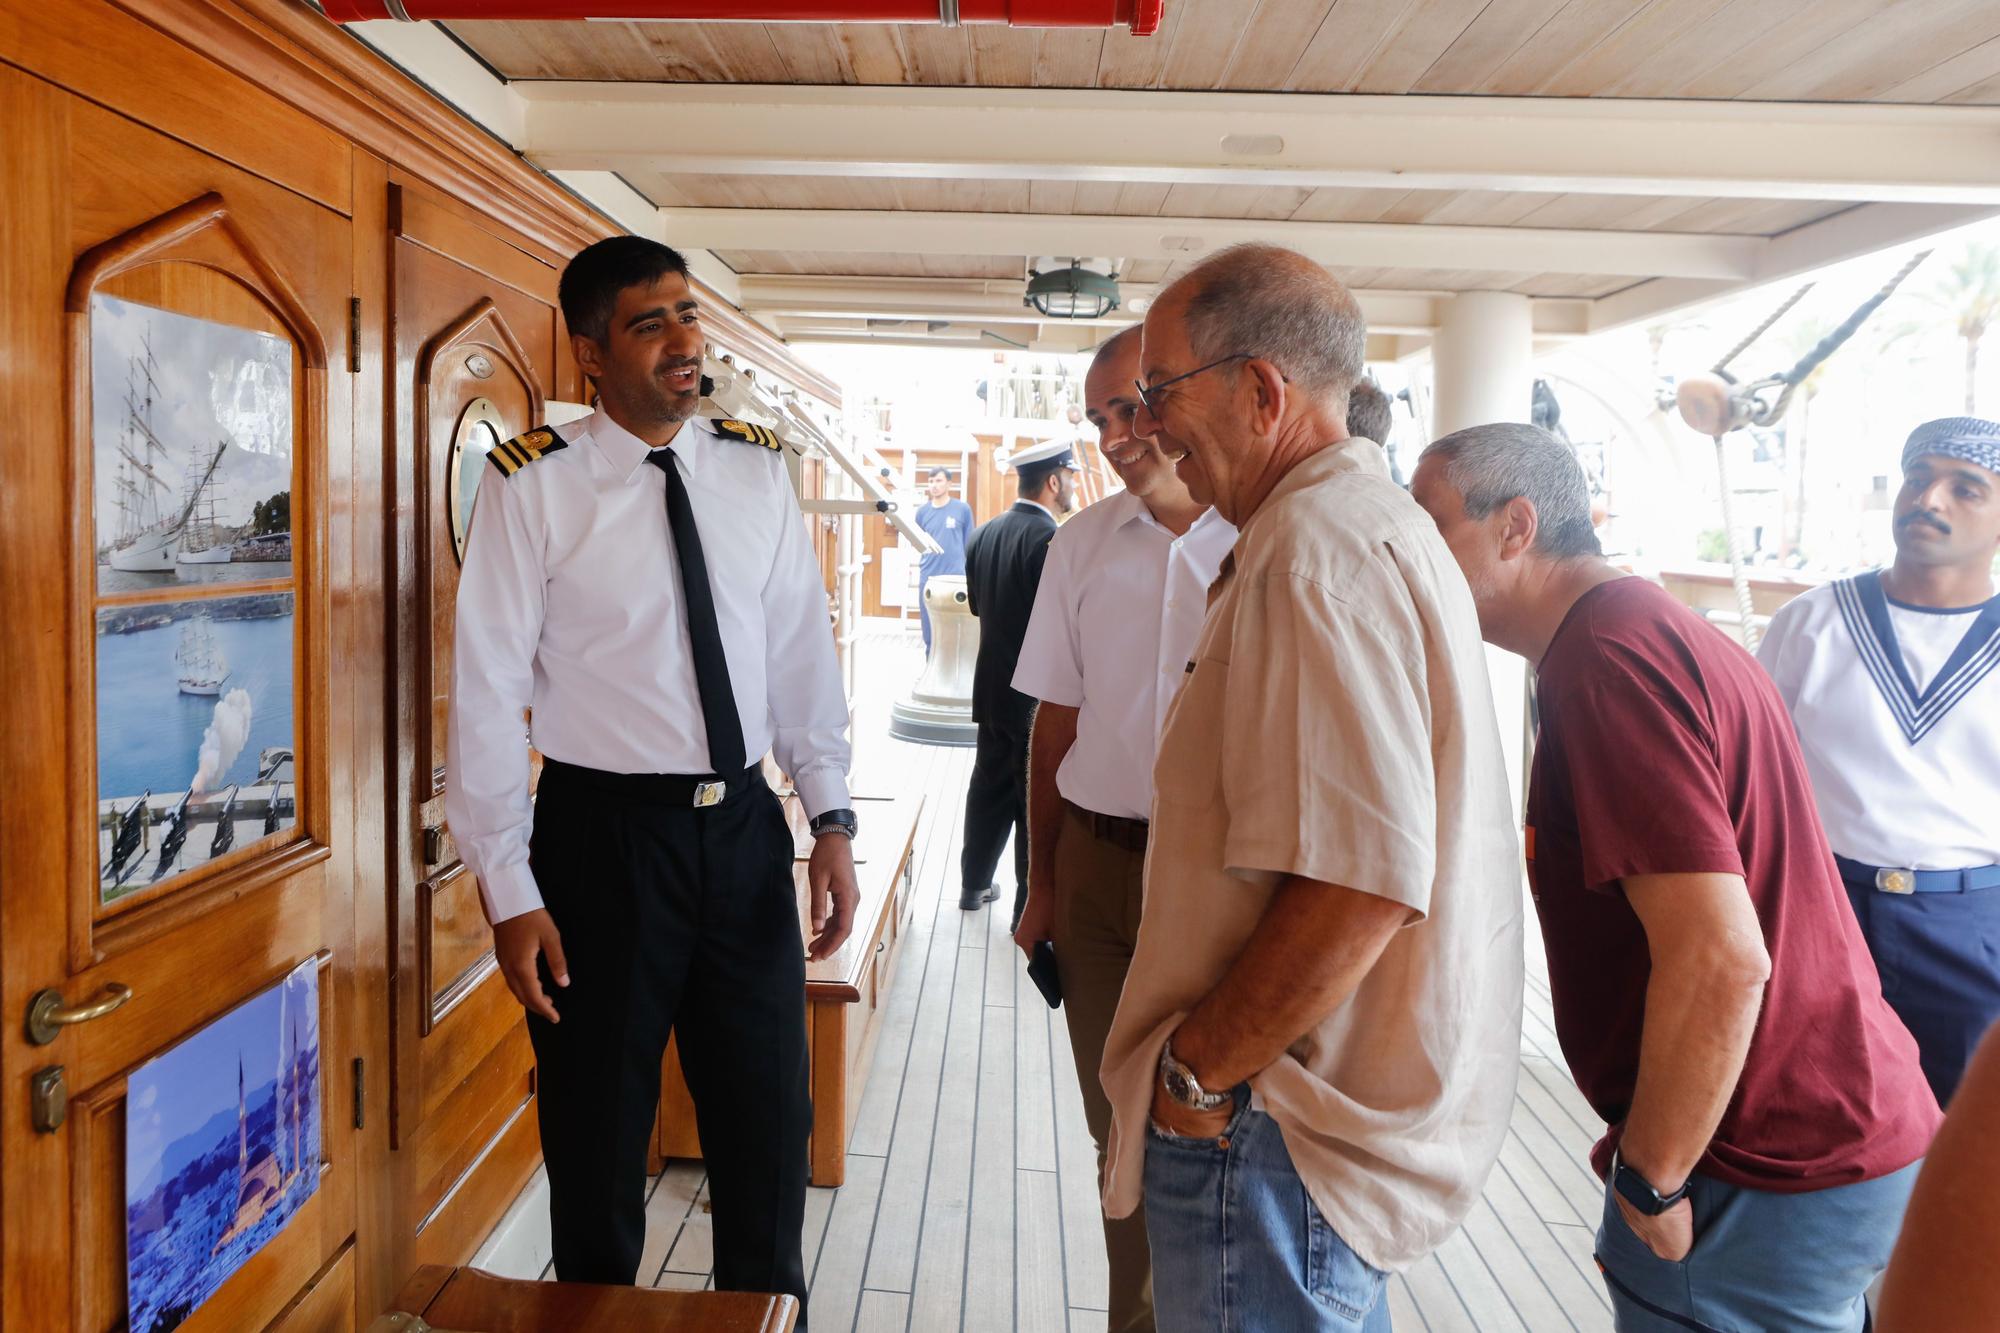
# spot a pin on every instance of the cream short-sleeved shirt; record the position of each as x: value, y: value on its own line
x: 1337, y: 724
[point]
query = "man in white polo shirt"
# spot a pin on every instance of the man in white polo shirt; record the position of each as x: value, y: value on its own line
x: 1120, y: 604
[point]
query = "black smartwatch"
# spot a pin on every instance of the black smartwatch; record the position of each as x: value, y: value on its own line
x: 835, y: 821
x: 1639, y: 1192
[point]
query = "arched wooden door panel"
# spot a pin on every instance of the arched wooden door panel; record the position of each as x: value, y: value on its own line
x: 174, y: 835
x: 475, y: 351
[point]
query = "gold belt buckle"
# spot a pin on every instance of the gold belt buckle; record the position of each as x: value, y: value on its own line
x: 709, y: 793
x: 1895, y: 881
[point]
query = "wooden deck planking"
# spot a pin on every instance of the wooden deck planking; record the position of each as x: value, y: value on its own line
x: 939, y: 1292
x: 1040, y: 1301
x: 970, y: 1200
x: 1076, y: 1169
x: 991, y: 1244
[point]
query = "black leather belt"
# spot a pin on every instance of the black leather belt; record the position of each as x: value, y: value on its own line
x: 1114, y: 829
x: 696, y: 790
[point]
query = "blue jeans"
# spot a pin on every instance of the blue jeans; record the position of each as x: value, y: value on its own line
x: 1761, y: 1262
x: 1238, y: 1244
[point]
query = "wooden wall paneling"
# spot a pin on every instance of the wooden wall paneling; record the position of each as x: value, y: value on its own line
x: 228, y: 259
x: 327, y: 1303
x: 455, y: 945
x: 34, y: 263
x: 417, y: 216
x: 449, y: 386
x: 477, y: 1110
x: 92, y: 47
x: 443, y: 311
x: 101, y: 203
x: 463, y: 1218
x: 379, y: 1257
x: 461, y: 1129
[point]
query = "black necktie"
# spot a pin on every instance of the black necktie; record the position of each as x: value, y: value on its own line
x: 711, y: 667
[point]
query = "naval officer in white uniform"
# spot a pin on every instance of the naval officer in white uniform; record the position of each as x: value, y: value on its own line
x: 643, y: 580
x: 1893, y: 679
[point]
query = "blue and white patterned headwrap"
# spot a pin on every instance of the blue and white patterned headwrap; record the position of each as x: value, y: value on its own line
x: 1969, y: 438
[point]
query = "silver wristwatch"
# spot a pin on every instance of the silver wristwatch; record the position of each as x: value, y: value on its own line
x: 1184, y: 1087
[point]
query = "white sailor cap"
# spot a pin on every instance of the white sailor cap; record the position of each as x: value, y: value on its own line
x: 1057, y: 453
x: 1972, y: 439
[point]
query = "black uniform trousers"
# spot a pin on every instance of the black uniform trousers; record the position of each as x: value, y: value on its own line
x: 996, y: 804
x: 684, y: 920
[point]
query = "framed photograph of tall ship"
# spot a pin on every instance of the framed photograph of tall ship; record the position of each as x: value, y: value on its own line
x: 191, y: 437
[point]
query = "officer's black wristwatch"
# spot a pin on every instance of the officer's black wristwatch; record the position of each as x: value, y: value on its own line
x: 1639, y: 1192
x: 835, y: 821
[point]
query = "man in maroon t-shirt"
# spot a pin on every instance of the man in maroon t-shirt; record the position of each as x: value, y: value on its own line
x: 1713, y: 995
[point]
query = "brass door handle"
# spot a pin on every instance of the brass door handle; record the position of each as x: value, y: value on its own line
x: 48, y: 1015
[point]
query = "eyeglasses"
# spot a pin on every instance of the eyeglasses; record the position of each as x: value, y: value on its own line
x: 1147, y: 393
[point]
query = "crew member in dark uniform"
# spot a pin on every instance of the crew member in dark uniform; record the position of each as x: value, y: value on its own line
x: 643, y: 580
x: 1003, y: 568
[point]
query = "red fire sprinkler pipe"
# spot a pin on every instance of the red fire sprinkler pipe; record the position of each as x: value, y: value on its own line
x: 1141, y: 16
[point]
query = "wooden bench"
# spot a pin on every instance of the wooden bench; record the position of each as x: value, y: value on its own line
x: 438, y: 1299
x: 845, y: 994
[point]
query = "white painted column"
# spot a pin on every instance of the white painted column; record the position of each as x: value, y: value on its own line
x: 1482, y: 370
x: 1482, y: 361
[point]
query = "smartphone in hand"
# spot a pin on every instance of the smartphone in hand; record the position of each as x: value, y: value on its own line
x: 1042, y: 971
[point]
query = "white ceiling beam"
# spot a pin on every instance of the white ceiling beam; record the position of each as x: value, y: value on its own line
x: 633, y: 211
x: 1858, y: 231
x: 995, y: 301
x: 1604, y: 146
x: 1350, y: 244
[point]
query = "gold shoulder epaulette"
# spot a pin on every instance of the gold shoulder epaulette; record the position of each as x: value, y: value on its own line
x: 522, y: 450
x: 748, y: 431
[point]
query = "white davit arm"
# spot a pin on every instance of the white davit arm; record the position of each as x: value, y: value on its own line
x: 742, y: 399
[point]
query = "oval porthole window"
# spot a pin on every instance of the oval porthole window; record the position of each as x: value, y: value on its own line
x: 480, y: 428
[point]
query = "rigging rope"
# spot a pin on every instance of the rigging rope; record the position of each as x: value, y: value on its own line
x: 1722, y: 366
x: 1788, y: 382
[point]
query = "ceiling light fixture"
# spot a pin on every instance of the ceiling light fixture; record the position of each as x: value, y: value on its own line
x: 1072, y: 293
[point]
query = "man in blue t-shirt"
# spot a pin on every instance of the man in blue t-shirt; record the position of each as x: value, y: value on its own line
x: 949, y: 523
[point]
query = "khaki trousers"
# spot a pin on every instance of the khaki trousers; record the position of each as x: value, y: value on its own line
x: 1099, y: 895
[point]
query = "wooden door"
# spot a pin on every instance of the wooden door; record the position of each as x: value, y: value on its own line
x: 175, y: 835
x: 474, y: 358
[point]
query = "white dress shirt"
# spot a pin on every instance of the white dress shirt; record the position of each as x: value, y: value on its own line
x: 1902, y: 764
x: 570, y: 603
x: 1119, y: 607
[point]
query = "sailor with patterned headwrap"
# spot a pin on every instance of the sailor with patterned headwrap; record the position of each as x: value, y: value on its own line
x: 1893, y: 679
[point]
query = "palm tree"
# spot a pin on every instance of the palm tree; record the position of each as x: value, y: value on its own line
x: 1968, y: 295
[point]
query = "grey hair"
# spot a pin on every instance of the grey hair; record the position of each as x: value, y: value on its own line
x: 1369, y: 413
x: 1492, y: 464
x: 1275, y: 304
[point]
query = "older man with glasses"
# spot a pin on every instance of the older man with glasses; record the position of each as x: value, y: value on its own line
x: 1314, y: 1057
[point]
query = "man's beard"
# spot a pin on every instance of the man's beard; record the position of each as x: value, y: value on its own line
x: 670, y: 407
